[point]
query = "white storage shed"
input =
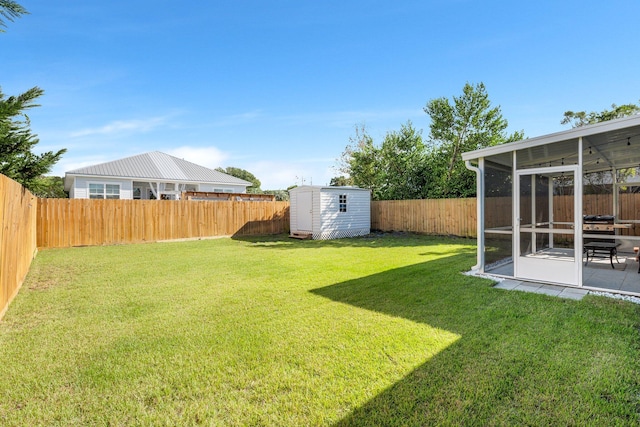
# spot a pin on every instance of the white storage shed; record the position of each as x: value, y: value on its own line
x: 324, y: 213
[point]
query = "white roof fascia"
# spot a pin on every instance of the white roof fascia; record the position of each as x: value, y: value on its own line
x: 156, y: 165
x: 328, y: 187
x: 125, y: 178
x: 583, y: 131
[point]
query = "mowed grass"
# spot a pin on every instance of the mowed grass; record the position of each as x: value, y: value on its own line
x: 274, y: 331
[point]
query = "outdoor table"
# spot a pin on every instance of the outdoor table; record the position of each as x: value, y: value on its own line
x: 600, y: 249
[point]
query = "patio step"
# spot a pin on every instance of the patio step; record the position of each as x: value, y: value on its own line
x: 299, y: 235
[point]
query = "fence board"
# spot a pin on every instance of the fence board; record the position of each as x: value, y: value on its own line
x: 82, y: 222
x: 438, y: 216
x: 458, y: 217
x: 18, y: 209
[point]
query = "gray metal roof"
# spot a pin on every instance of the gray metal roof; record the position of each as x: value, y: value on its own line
x: 157, y: 166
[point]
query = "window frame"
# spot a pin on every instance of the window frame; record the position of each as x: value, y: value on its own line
x: 106, y: 193
x: 342, y: 203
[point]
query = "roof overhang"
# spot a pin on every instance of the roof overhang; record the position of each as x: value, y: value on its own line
x: 69, y: 177
x: 606, y: 145
x: 329, y: 187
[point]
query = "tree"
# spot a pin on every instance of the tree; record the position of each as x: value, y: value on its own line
x: 468, y: 123
x: 341, y: 181
x: 600, y: 182
x: 395, y: 170
x: 243, y: 174
x: 582, y: 118
x: 361, y: 161
x: 17, y: 161
x: 281, y: 195
x: 9, y: 10
x: 404, y: 172
x: 49, y: 187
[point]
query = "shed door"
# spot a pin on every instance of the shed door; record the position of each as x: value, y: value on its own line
x: 545, y: 238
x: 305, y: 211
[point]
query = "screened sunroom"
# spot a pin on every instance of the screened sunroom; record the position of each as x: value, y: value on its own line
x: 562, y: 208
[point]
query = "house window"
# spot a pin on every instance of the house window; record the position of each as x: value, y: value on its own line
x: 112, y: 191
x: 96, y: 191
x: 104, y: 191
x: 343, y: 203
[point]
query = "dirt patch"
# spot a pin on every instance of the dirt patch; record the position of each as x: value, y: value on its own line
x: 42, y: 278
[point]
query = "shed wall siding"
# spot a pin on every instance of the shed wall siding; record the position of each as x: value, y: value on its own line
x: 327, y: 222
x: 317, y: 209
x: 293, y: 212
x: 356, y: 221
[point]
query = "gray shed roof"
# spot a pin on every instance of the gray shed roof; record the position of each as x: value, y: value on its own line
x: 157, y: 166
x: 328, y: 187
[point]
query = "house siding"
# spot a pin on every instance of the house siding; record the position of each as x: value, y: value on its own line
x: 225, y: 187
x: 80, y: 189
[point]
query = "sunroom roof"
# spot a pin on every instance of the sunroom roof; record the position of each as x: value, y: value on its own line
x: 605, y: 145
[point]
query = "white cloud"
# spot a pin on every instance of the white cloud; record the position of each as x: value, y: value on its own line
x: 121, y: 126
x: 210, y: 157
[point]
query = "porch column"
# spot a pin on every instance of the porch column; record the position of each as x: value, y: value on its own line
x: 515, y: 220
x: 479, y: 170
x: 154, y: 192
x: 614, y: 211
x: 534, y: 215
x: 578, y: 191
x: 480, y: 197
x: 551, y: 211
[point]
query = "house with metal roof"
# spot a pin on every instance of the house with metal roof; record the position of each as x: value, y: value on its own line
x: 563, y: 208
x: 152, y: 175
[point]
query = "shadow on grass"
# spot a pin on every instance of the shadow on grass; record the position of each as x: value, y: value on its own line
x: 391, y: 239
x: 518, y: 361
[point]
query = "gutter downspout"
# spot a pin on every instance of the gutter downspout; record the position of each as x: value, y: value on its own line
x: 479, y: 267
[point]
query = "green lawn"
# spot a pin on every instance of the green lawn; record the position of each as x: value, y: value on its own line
x: 275, y: 331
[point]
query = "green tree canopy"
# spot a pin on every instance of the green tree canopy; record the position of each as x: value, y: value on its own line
x: 341, y: 181
x: 582, y: 118
x: 281, y: 195
x: 361, y: 161
x: 394, y: 170
x: 49, y: 187
x: 243, y: 174
x: 404, y: 167
x: 600, y: 182
x: 467, y: 123
x: 17, y: 160
x: 9, y: 10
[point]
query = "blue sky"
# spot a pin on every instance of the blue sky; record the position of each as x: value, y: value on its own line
x: 277, y: 87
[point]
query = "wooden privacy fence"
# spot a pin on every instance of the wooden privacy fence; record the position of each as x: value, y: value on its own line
x: 17, y: 238
x: 430, y: 216
x: 458, y: 217
x: 84, y: 222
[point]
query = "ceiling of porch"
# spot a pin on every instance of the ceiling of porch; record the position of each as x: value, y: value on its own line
x: 605, y: 146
